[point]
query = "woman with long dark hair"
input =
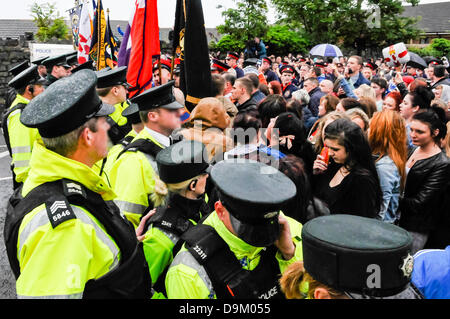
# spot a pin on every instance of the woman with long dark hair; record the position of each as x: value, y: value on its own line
x: 428, y: 176
x: 349, y: 183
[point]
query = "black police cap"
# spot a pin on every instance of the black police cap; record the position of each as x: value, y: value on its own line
x: 39, y: 60
x: 116, y: 76
x: 72, y: 58
x: 250, y: 61
x: 65, y: 105
x: 287, y: 69
x: 253, y: 193
x: 182, y: 161
x: 159, y: 96
x: 347, y: 253
x: 28, y: 76
x: 132, y: 114
x: 219, y: 65
x: 89, y: 65
x: 19, y: 68
x: 59, y: 60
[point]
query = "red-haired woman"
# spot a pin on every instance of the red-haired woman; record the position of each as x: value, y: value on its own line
x: 392, y: 101
x: 387, y: 139
x: 274, y: 87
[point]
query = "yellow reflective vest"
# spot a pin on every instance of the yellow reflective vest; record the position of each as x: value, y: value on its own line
x: 57, y: 262
x: 133, y: 180
x: 21, y: 139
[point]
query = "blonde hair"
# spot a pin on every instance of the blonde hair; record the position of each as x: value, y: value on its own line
x: 295, y: 279
x: 161, y: 191
x: 447, y: 140
x: 317, y: 141
x: 357, y: 112
x: 365, y: 90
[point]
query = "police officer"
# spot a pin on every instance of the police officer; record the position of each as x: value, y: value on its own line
x: 266, y: 69
x: 72, y: 60
x: 133, y: 173
x: 347, y: 256
x: 242, y: 247
x: 218, y: 67
x: 41, y: 68
x: 86, y: 65
x: 57, y: 68
x: 287, y: 88
x: 63, y: 239
x: 183, y: 169
x: 231, y: 59
x: 20, y: 139
x: 11, y: 92
x: 133, y: 118
x: 112, y: 88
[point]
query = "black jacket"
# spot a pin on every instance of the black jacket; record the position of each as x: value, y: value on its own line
x: 355, y: 195
x: 247, y: 106
x: 421, y: 205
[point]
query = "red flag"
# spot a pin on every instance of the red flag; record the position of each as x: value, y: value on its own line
x: 145, y: 46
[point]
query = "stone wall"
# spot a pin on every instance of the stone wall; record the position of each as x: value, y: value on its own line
x: 12, y: 52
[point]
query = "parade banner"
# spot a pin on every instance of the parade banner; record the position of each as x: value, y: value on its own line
x: 191, y: 46
x: 144, y: 34
x: 85, y: 31
x: 97, y: 51
x: 75, y: 14
x: 111, y: 50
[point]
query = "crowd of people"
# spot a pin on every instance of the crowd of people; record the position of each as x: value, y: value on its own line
x: 292, y: 165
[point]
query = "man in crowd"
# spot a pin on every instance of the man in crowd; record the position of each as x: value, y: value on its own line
x: 287, y: 88
x: 231, y: 59
x: 353, y: 71
x: 312, y: 87
x: 57, y: 68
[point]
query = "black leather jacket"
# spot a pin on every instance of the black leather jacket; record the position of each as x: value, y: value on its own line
x: 426, y: 183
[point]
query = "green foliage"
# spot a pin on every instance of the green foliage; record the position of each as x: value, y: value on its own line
x: 282, y: 39
x: 245, y: 22
x: 227, y: 43
x: 438, y: 47
x: 50, y: 24
x: 347, y: 23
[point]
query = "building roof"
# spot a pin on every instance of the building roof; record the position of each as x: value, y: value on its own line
x: 15, y: 28
x: 435, y: 16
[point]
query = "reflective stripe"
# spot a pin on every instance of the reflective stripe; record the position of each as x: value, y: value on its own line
x: 41, y: 219
x: 11, y: 115
x: 21, y: 149
x: 130, y: 207
x: 185, y: 258
x: 72, y: 296
x: 152, y: 162
x: 174, y: 238
x: 18, y: 164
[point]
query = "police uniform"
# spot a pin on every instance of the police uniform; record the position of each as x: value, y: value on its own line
x: 215, y: 263
x: 133, y: 173
x: 361, y: 257
x: 235, y: 56
x: 20, y: 139
x: 217, y: 65
x: 59, y: 60
x: 132, y: 115
x: 288, y: 89
x: 269, y: 74
x: 119, y: 125
x: 86, y: 65
x: 64, y: 240
x: 180, y: 213
x: 11, y: 92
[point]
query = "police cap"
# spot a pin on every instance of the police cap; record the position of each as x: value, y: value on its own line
x: 28, y: 76
x: 40, y: 60
x: 65, y: 105
x: 357, y: 254
x: 159, y: 96
x: 132, y: 114
x: 232, y: 55
x: 287, y: 69
x: 182, y: 161
x: 19, y: 68
x: 253, y: 193
x: 72, y: 58
x: 250, y: 61
x: 86, y: 65
x: 59, y: 60
x: 165, y: 64
x: 116, y: 76
x: 218, y: 65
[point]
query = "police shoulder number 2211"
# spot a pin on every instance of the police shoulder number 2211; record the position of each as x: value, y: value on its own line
x: 246, y: 308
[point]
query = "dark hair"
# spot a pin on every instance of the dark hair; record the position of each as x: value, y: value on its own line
x: 359, y: 153
x: 439, y: 71
x: 317, y: 71
x: 350, y: 103
x: 421, y: 97
x: 296, y: 107
x: 254, y: 78
x: 264, y: 89
x: 434, y: 121
x: 229, y: 77
x: 270, y: 107
x: 294, y: 168
x: 382, y: 83
x: 289, y: 124
x: 218, y: 84
x: 245, y: 121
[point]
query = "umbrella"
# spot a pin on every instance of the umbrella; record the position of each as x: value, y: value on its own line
x: 326, y: 50
x: 416, y: 61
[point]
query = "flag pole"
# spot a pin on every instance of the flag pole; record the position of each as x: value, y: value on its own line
x: 98, y: 33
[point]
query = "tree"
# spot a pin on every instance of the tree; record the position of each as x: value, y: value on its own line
x: 282, y: 39
x: 50, y: 24
x: 357, y: 24
x: 438, y: 47
x: 242, y: 24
